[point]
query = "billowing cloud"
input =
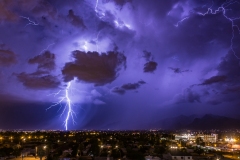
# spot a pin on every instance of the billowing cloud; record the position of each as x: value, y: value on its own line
x: 92, y: 67
x: 150, y: 66
x: 45, y: 61
x: 7, y: 57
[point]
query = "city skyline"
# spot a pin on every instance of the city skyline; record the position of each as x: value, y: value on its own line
x: 118, y: 64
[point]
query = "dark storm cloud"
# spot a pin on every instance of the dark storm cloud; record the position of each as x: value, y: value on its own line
x: 41, y: 79
x: 141, y: 82
x: 92, y: 67
x: 214, y: 79
x: 45, y: 61
x: 178, y: 70
x: 150, y: 66
x: 229, y: 66
x: 7, y: 57
x: 75, y: 20
x: 226, y: 82
x: 199, y: 36
x: 38, y: 80
x: 6, y: 14
x: 118, y: 90
x: 129, y: 86
x: 10, y: 9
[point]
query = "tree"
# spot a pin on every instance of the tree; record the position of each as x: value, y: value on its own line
x: 160, y: 149
x: 199, y: 150
x: 16, y: 152
x: 200, y: 141
x: 116, y: 153
x: 40, y: 152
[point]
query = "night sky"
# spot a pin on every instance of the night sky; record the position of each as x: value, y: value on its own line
x: 125, y: 63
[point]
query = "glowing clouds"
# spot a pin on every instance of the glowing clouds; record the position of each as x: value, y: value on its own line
x: 91, y: 67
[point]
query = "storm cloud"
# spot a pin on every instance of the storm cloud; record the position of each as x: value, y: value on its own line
x: 128, y: 86
x: 7, y: 57
x: 150, y: 66
x: 93, y: 67
x: 187, y: 51
x: 45, y: 61
x: 38, y: 80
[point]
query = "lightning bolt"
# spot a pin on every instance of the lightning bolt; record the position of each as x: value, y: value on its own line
x: 97, y: 40
x: 68, y: 105
x: 96, y: 6
x: 223, y: 10
x: 47, y: 47
x: 30, y: 21
x: 98, y: 12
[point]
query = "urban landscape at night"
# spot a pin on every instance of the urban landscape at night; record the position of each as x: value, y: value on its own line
x: 119, y: 79
x: 102, y: 145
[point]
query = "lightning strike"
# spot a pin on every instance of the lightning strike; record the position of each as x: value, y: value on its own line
x: 97, y: 40
x: 85, y: 46
x: 98, y: 12
x: 176, y: 25
x: 223, y: 10
x: 47, y: 48
x: 68, y: 105
x: 30, y: 21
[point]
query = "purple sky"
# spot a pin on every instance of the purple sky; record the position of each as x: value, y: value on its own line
x: 130, y: 62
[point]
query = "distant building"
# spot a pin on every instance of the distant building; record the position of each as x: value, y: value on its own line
x: 192, y: 137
